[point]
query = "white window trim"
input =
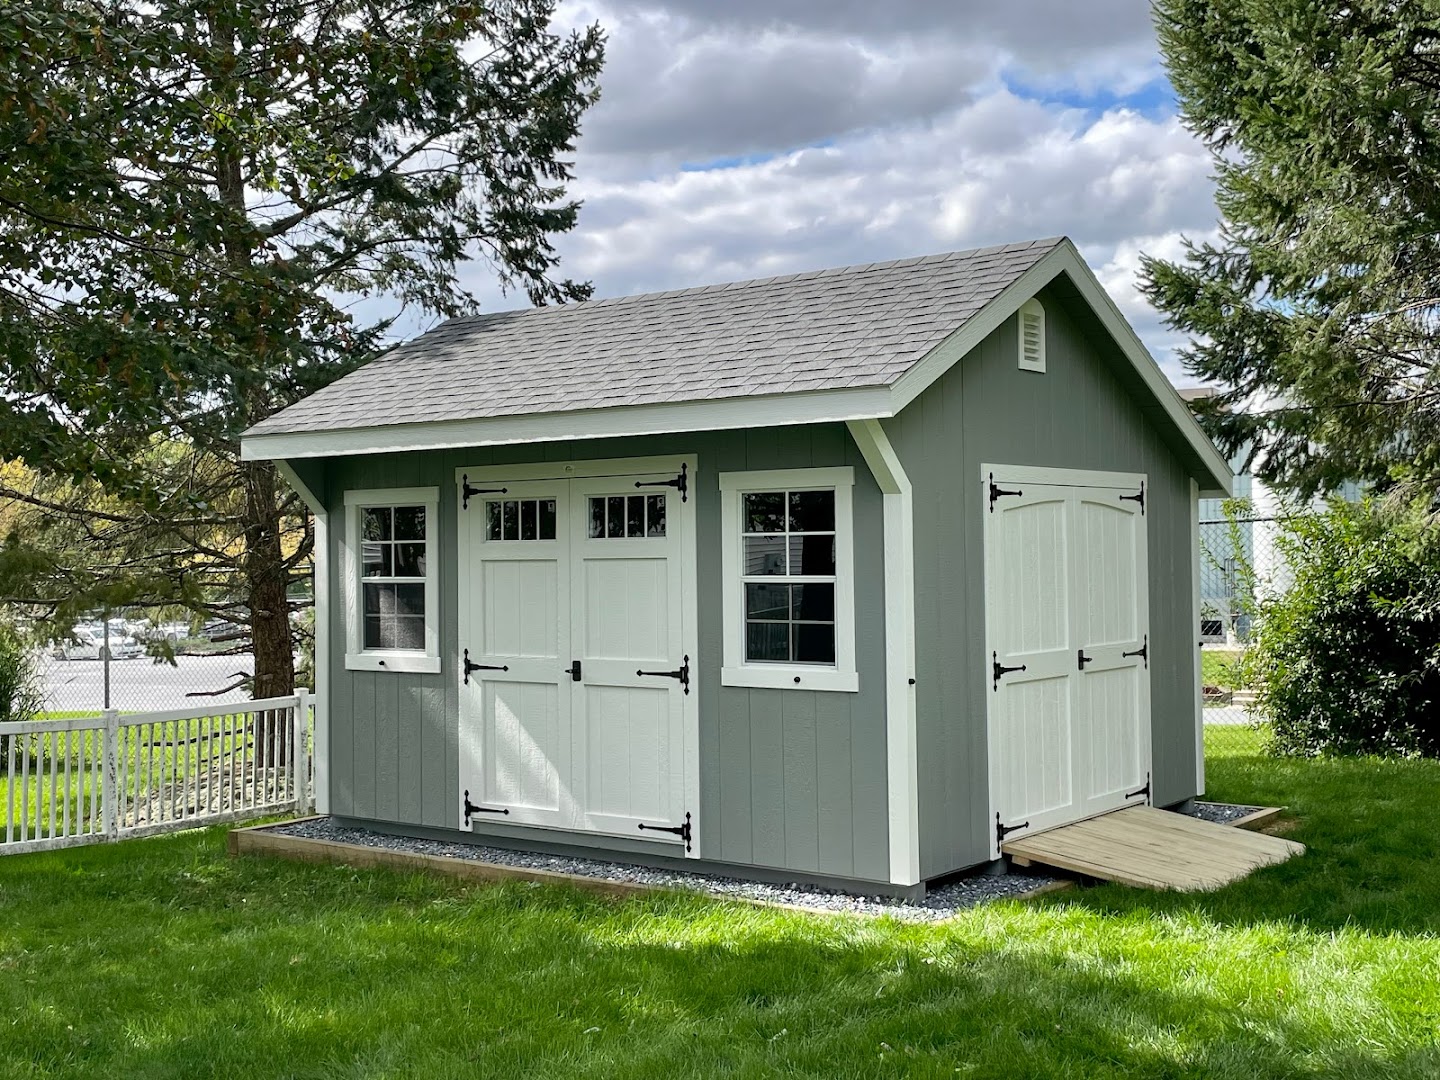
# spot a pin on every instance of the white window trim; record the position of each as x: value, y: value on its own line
x: 357, y: 658
x: 735, y: 671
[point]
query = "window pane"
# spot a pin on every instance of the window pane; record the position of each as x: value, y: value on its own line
x: 529, y: 519
x: 813, y: 603
x: 764, y: 555
x: 409, y: 560
x: 510, y: 521
x: 385, y: 594
x: 615, y: 516
x: 376, y: 525
x: 547, y: 519
x: 814, y: 643
x: 406, y: 632
x: 492, y: 521
x: 409, y: 599
x: 765, y: 512
x: 409, y: 523
x: 812, y: 555
x: 635, y: 515
x: 373, y: 636
x: 597, y: 518
x: 767, y: 601
x: 375, y: 560
x: 370, y: 598
x: 655, y: 515
x: 767, y: 641
x: 812, y: 511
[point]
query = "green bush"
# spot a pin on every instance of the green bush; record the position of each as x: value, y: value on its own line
x: 20, y: 696
x: 1347, y: 659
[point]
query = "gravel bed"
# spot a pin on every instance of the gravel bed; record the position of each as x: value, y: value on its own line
x: 1220, y: 813
x: 940, y: 903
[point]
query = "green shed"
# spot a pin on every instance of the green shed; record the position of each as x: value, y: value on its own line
x: 839, y: 577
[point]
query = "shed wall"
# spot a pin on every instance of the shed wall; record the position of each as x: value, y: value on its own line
x: 792, y: 779
x: 1075, y: 415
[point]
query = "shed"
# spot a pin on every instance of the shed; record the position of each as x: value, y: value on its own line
x: 839, y: 577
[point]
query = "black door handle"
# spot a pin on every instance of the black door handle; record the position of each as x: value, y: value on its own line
x: 573, y: 670
x: 1080, y: 653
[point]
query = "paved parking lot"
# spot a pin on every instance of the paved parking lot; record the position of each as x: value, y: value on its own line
x: 140, y: 685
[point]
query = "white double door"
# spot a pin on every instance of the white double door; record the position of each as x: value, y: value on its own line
x: 577, y: 682
x: 1067, y: 663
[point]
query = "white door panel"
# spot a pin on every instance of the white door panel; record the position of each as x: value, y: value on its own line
x: 1066, y: 615
x: 598, y: 587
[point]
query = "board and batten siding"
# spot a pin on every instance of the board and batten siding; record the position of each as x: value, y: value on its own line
x: 1078, y: 415
x: 790, y: 779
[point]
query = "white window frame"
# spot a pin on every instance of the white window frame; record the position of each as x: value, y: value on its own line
x: 735, y: 669
x: 357, y: 657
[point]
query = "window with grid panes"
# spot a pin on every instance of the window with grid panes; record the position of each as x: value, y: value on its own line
x: 392, y: 577
x: 789, y: 576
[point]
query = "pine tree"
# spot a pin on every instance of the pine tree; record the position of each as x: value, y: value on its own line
x: 1316, y: 310
x: 193, y: 194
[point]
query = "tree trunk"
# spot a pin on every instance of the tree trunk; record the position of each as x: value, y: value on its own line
x: 270, y: 631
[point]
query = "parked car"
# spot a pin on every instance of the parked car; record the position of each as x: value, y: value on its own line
x: 88, y: 643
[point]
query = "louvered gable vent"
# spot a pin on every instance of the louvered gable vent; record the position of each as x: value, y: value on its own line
x: 1032, y: 336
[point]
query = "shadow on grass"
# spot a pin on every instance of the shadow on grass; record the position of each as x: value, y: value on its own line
x: 165, y: 959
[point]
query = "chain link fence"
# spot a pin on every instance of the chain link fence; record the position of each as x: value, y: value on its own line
x: 137, y: 660
x: 1240, y: 563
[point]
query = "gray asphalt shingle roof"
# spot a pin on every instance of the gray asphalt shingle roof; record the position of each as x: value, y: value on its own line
x: 848, y: 327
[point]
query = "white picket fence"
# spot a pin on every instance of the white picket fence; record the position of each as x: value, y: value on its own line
x: 98, y: 778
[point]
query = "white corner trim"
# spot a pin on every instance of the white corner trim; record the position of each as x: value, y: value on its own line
x: 734, y: 670
x: 901, y: 740
x: 357, y: 658
x: 320, y: 562
x: 1193, y: 641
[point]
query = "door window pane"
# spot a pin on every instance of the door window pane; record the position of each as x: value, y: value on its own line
x: 492, y: 521
x: 654, y: 515
x: 510, y: 521
x: 615, y: 517
x: 597, y: 519
x: 529, y: 519
x: 547, y: 519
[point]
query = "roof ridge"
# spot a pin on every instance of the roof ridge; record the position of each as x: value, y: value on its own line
x: 745, y: 283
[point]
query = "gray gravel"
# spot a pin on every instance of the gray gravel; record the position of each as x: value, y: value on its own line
x: 1220, y: 813
x: 940, y: 903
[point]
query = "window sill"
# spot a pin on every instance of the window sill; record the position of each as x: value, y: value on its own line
x: 778, y: 677
x: 396, y: 661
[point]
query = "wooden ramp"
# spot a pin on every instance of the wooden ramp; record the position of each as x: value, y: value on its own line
x: 1153, y: 849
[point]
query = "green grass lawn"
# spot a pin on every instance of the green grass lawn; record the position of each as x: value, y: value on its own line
x: 1220, y: 667
x: 164, y: 958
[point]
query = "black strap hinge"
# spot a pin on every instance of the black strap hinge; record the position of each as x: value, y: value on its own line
x: 682, y: 831
x: 1140, y: 498
x: 1141, y: 791
x: 469, y: 667
x: 466, y: 491
x: 999, y: 670
x: 682, y: 673
x: 1143, y: 652
x: 471, y: 809
x: 996, y: 492
x: 681, y: 483
x: 1002, y: 831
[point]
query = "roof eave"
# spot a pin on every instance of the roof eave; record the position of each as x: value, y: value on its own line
x: 714, y: 414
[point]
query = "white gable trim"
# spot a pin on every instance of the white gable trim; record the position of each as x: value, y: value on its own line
x: 770, y: 410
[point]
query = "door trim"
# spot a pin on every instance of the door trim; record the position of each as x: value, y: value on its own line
x: 1048, y: 476
x: 660, y: 465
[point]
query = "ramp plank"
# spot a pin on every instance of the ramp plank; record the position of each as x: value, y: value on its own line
x: 1154, y: 849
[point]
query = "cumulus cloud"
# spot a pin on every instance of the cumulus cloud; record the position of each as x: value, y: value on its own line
x: 754, y: 137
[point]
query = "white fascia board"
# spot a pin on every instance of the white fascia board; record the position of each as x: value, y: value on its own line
x: 902, y: 758
x: 719, y: 414
x: 1066, y: 259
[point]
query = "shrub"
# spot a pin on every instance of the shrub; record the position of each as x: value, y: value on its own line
x: 1347, y: 659
x: 20, y: 696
